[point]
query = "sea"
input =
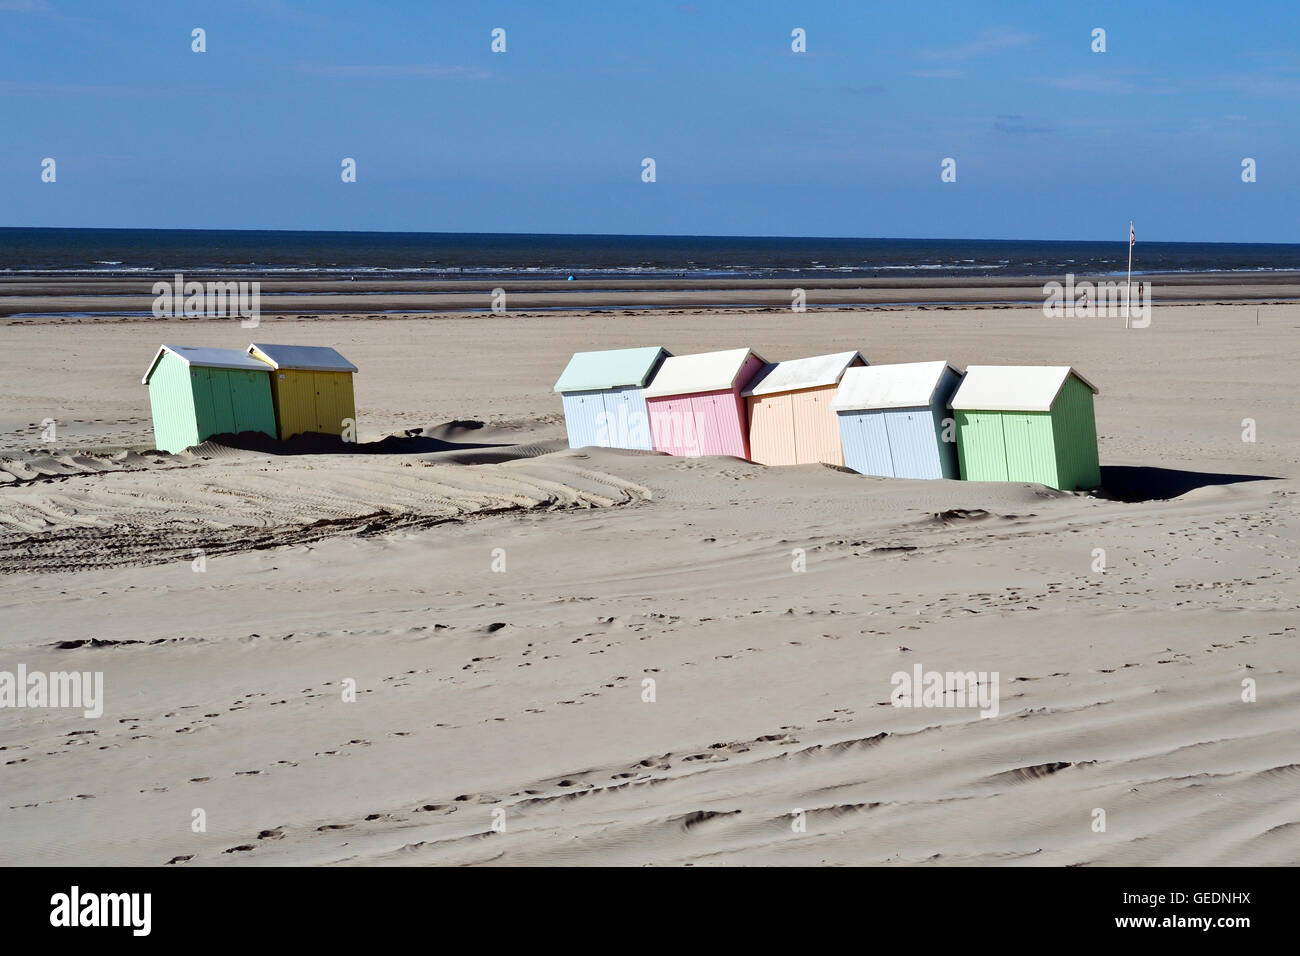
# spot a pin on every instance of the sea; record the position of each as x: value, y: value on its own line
x: 434, y: 255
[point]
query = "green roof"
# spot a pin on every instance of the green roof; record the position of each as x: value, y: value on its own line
x: 612, y: 368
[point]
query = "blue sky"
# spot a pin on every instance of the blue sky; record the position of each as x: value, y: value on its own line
x: 1051, y: 140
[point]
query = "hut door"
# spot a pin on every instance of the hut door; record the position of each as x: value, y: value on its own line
x: 771, y: 430
x: 874, y: 438
x: 1016, y: 432
x: 590, y: 409
x: 706, y: 425
x: 731, y: 418
x: 674, y: 426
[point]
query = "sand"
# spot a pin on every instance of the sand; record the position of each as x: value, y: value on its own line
x: 500, y: 601
x: 41, y: 298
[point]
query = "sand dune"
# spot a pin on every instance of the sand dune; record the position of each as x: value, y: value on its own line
x: 75, y: 513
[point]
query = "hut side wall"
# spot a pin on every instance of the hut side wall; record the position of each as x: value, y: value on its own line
x: 171, y: 403
x: 1074, y: 431
x: 945, y: 437
x: 945, y: 423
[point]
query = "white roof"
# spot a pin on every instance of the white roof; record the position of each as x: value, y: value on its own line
x: 312, y: 358
x: 703, y: 372
x: 1013, y: 388
x: 794, y: 374
x: 910, y: 385
x: 206, y: 358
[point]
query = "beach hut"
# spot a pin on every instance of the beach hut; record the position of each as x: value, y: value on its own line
x: 602, y: 396
x: 311, y: 387
x: 1027, y: 423
x: 196, y: 393
x: 893, y: 420
x: 790, y: 416
x: 695, y: 405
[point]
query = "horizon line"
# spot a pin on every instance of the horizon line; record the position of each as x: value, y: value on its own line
x: 634, y: 235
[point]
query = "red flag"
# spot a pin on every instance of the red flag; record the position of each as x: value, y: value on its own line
x: 1132, y: 236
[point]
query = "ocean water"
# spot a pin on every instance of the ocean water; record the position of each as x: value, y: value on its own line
x: 100, y: 252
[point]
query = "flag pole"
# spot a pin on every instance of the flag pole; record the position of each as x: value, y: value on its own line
x: 1128, y: 291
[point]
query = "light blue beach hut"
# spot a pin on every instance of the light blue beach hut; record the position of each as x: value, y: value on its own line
x: 603, y: 400
x: 894, y: 419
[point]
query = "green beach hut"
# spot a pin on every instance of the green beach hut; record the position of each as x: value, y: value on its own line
x: 1027, y: 423
x: 196, y: 393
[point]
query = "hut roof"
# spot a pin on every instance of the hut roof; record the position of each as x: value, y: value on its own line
x: 794, y: 374
x: 611, y: 368
x: 702, y: 372
x: 306, y: 358
x: 909, y: 385
x: 1013, y: 388
x: 205, y: 358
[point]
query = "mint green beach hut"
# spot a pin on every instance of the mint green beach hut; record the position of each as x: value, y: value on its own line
x: 1027, y: 423
x: 196, y: 393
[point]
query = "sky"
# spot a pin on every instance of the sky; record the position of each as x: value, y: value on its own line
x: 1051, y: 140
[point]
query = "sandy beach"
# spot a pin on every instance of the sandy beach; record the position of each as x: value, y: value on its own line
x: 501, y: 601
x: 25, y: 299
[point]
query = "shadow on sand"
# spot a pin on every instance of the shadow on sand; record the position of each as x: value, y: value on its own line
x: 447, y: 437
x: 1141, y: 483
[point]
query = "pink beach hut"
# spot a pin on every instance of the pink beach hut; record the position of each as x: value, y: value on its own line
x: 695, y: 406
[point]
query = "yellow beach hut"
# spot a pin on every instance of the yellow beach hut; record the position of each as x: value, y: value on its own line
x: 311, y: 387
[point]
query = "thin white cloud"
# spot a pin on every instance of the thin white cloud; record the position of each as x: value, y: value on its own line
x: 428, y: 70
x: 24, y: 6
x: 1090, y: 83
x: 1017, y: 125
x: 947, y: 74
x: 990, y: 41
x: 1265, y: 87
x: 36, y: 88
